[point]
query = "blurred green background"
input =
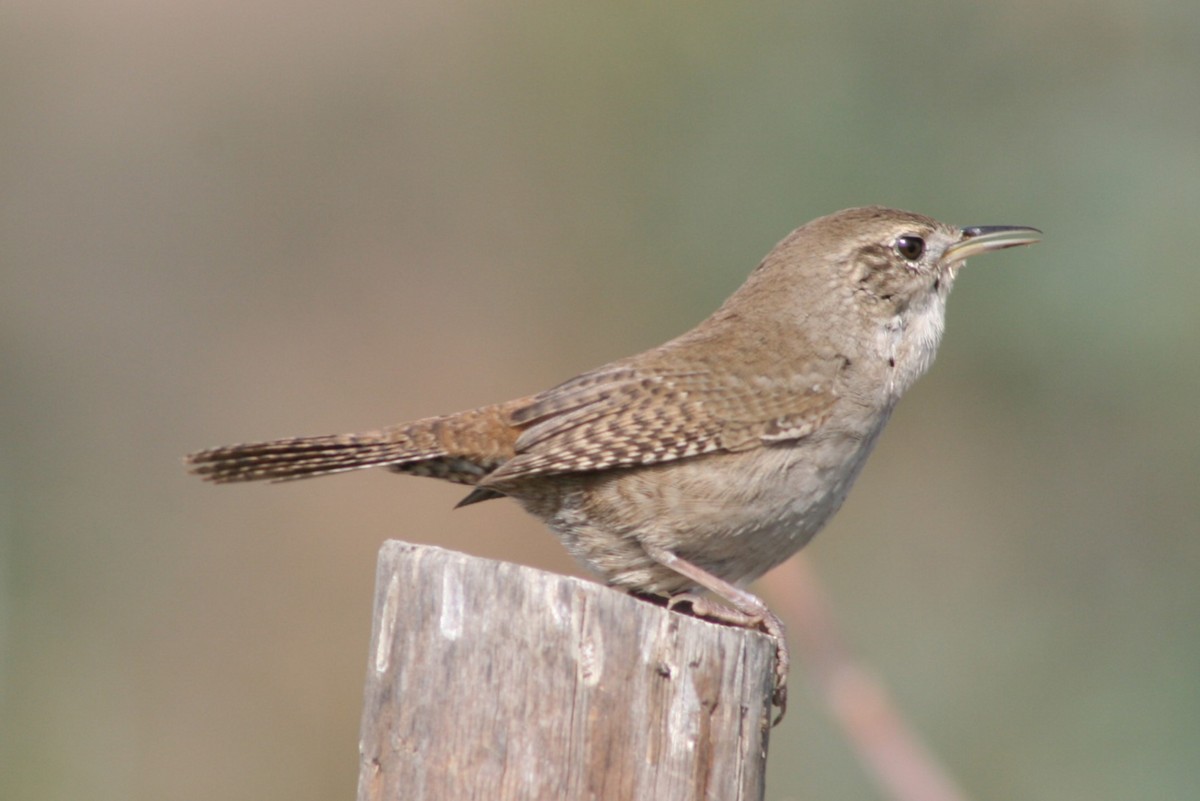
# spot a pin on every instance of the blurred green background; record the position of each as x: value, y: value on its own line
x: 231, y: 221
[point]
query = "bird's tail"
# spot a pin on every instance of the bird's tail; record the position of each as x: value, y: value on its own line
x: 461, y: 448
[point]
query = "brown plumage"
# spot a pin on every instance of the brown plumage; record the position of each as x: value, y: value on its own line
x: 708, y: 460
x: 461, y: 448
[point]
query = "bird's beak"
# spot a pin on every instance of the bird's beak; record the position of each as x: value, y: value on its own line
x: 986, y: 238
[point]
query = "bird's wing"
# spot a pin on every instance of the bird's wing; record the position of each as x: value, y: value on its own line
x: 624, y: 415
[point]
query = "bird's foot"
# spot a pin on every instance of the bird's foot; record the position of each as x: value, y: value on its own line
x: 744, y: 610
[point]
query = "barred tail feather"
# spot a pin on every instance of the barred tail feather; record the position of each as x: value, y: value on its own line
x: 305, y: 457
x: 462, y: 448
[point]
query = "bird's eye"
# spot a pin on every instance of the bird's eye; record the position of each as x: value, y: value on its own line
x: 910, y: 248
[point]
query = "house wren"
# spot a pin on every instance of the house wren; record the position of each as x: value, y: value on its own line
x: 707, y: 461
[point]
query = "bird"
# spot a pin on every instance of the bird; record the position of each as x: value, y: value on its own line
x: 685, y: 472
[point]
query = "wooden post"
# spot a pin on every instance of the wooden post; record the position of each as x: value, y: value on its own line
x: 489, y: 680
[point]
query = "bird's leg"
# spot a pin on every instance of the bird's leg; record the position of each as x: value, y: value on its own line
x: 746, y: 610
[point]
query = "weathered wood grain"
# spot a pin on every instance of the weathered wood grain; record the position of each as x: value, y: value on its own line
x: 488, y: 680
